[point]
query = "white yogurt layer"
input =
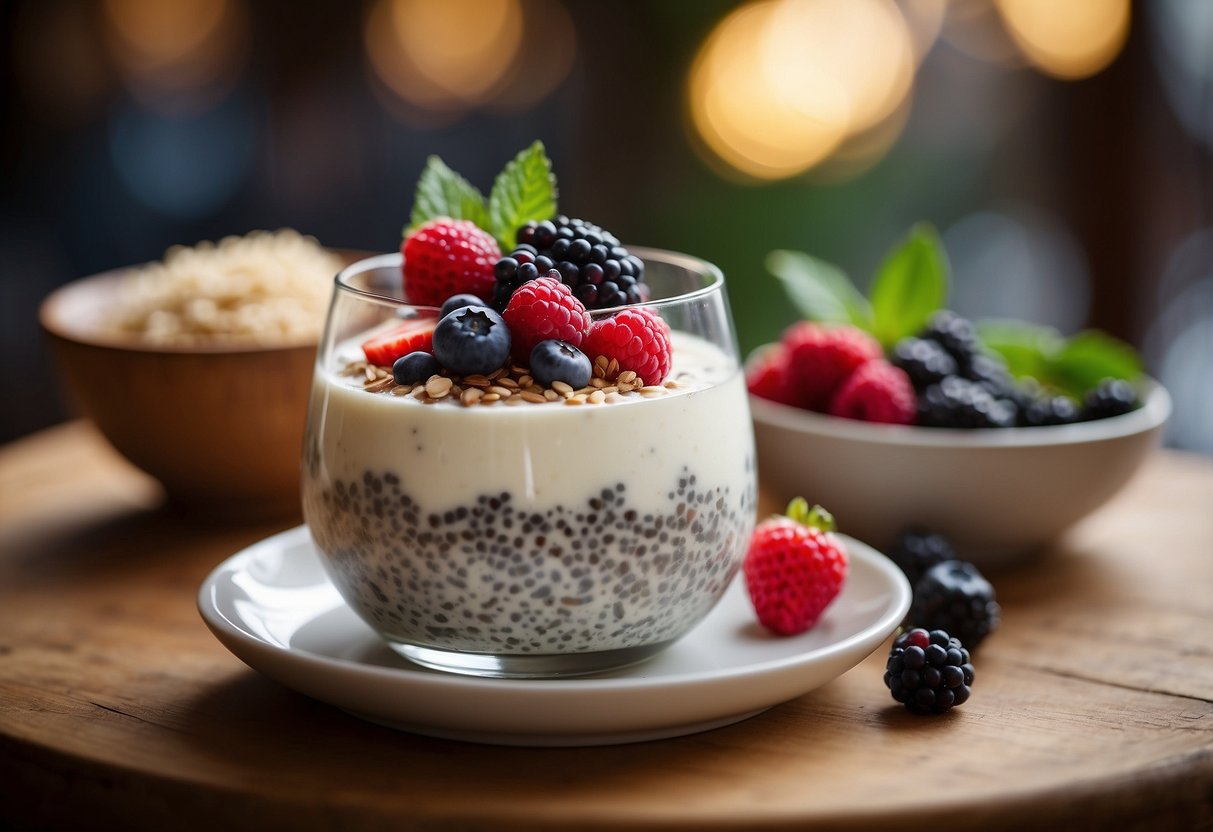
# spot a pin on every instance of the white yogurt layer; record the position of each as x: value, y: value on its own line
x: 534, y: 528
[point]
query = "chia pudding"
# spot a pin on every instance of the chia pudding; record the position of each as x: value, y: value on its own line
x: 536, y: 530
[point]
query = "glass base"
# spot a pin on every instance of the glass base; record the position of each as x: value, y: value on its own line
x: 522, y: 666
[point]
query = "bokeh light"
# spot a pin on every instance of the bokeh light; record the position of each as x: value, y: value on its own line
x: 165, y: 49
x: 779, y: 85
x: 1072, y: 39
x: 450, y: 57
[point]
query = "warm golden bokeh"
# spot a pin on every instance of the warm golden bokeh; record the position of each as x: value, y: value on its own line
x: 1069, y: 40
x: 779, y: 85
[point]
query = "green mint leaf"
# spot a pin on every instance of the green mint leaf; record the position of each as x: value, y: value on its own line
x: 819, y: 290
x: 525, y: 190
x: 443, y: 193
x: 1028, y: 349
x: 911, y: 284
x: 1091, y: 356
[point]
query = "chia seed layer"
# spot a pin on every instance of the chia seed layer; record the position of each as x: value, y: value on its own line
x: 497, y: 576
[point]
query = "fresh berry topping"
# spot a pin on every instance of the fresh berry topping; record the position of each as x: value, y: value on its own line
x: 638, y: 339
x: 991, y: 373
x: 769, y: 378
x: 1112, y: 397
x: 415, y: 367
x: 1050, y: 410
x: 956, y: 402
x: 929, y: 672
x: 954, y: 596
x: 589, y: 260
x: 876, y: 392
x: 555, y: 360
x: 474, y: 339
x: 917, y: 550
x: 820, y: 359
x: 541, y: 310
x: 955, y: 334
x: 447, y: 257
x: 458, y: 302
x: 416, y: 335
x: 925, y: 362
x: 794, y: 568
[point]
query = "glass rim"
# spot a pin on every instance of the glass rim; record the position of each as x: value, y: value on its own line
x: 715, y: 279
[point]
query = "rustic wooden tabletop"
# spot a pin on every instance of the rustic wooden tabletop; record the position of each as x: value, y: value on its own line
x: 1092, y: 707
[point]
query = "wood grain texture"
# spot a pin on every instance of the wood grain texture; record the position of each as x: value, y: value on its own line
x: 1092, y: 707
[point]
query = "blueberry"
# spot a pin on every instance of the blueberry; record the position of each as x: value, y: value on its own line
x: 458, y: 302
x: 414, y: 367
x: 474, y: 339
x: 554, y: 360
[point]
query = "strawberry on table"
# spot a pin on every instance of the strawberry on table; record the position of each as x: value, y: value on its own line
x: 416, y: 335
x: 794, y: 568
x: 445, y: 257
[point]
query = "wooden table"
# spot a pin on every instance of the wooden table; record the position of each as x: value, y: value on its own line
x: 1092, y: 708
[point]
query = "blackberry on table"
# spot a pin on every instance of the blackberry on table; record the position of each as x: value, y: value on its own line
x: 926, y: 362
x: 954, y: 596
x: 918, y: 549
x: 1112, y: 397
x: 590, y: 260
x: 929, y: 672
x: 957, y: 402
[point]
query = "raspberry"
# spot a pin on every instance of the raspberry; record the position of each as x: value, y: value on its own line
x: 638, y: 339
x: 917, y: 550
x: 543, y: 310
x: 416, y: 335
x: 590, y: 260
x: 447, y: 257
x: 954, y: 596
x: 928, y: 672
x: 769, y: 378
x: 876, y: 392
x: 821, y: 358
x: 794, y: 568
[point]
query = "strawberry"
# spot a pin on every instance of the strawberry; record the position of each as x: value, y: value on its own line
x: 447, y: 257
x: 416, y: 335
x: 876, y: 392
x: 820, y: 358
x: 637, y: 338
x: 794, y: 568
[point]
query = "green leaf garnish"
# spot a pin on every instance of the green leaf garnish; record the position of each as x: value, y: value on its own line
x: 819, y: 290
x: 815, y: 517
x: 525, y: 190
x: 1067, y: 365
x: 443, y: 193
x: 911, y: 284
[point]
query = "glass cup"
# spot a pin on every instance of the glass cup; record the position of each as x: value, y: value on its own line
x: 498, y: 536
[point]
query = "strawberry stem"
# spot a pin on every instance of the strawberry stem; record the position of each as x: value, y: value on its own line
x: 815, y: 517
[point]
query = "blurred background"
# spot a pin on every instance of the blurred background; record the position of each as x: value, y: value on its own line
x: 1062, y: 149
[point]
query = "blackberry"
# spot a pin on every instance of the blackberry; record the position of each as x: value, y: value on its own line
x: 954, y: 596
x: 1112, y: 397
x: 590, y: 260
x: 955, y: 334
x: 929, y: 672
x: 991, y: 373
x: 918, y: 549
x: 926, y: 362
x: 957, y: 402
x: 1050, y: 410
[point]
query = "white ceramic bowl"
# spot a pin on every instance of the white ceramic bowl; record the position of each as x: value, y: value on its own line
x: 998, y: 494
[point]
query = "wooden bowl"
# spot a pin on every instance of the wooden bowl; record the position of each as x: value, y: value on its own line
x: 220, y: 428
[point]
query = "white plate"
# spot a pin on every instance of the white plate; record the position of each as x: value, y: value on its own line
x: 273, y: 606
